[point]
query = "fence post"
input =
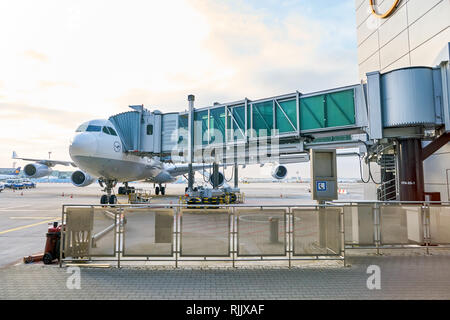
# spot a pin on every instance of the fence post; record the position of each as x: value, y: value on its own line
x: 62, y: 237
x: 119, y: 230
x: 426, y: 226
x: 289, y: 234
x: 377, y: 228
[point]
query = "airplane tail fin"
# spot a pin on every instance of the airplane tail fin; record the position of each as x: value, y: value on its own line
x: 16, y: 171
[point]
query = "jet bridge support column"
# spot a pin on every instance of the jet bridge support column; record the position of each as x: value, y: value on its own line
x: 191, y: 176
x: 410, y: 170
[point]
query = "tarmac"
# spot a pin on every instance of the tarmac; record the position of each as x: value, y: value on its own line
x: 24, y: 218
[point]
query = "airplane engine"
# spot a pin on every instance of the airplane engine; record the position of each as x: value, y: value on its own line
x: 81, y: 179
x: 37, y: 170
x: 279, y: 172
x: 221, y: 179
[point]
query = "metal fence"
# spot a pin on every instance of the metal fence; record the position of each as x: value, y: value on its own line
x: 242, y: 233
x: 392, y: 225
x: 216, y: 233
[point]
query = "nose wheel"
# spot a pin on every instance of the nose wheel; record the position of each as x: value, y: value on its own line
x: 108, y: 198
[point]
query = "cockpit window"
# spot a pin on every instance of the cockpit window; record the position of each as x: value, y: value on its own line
x: 92, y: 128
x: 113, y: 132
x: 109, y: 130
x: 82, y: 128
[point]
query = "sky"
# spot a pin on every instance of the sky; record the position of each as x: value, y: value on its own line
x: 66, y: 62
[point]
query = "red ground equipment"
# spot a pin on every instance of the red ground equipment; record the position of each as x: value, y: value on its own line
x: 52, y: 245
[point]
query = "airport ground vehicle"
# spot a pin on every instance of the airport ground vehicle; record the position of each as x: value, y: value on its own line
x: 2, y: 187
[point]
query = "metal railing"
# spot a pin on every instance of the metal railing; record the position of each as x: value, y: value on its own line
x: 177, y: 233
x: 396, y: 224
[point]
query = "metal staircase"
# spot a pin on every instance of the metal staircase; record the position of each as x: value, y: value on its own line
x: 387, y: 191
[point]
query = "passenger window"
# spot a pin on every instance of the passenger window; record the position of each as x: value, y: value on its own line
x: 149, y: 129
x: 112, y: 131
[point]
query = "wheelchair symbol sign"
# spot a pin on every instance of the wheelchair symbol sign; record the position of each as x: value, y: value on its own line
x: 321, y: 186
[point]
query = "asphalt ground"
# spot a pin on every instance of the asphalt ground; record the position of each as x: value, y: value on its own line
x: 25, y: 214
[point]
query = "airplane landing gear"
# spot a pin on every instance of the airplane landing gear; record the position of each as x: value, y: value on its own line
x: 161, y: 189
x: 108, y: 198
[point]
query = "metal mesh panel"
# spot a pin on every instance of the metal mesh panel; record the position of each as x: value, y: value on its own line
x: 316, y: 230
x: 205, y: 232
x: 148, y: 232
x: 400, y: 225
x: 90, y: 232
x: 440, y: 225
x: 359, y: 225
x: 333, y: 227
x: 104, y: 232
x: 261, y: 232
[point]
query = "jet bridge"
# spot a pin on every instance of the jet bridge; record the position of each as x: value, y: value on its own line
x: 387, y: 118
x: 291, y: 119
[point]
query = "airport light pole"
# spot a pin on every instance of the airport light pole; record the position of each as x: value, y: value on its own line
x: 191, y: 99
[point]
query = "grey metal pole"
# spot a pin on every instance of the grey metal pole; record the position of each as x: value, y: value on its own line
x: 236, y: 175
x: 191, y: 99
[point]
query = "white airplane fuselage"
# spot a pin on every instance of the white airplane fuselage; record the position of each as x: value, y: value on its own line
x: 100, y: 154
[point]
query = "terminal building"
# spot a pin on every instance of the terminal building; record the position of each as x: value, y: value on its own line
x: 412, y: 33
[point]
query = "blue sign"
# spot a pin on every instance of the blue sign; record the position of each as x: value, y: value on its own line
x: 321, y: 185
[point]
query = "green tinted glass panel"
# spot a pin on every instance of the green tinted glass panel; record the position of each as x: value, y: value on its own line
x: 340, y: 108
x: 335, y: 138
x: 217, y: 125
x: 239, y: 122
x: 201, y: 127
x: 312, y: 112
x: 290, y: 109
x: 183, y: 125
x: 263, y: 118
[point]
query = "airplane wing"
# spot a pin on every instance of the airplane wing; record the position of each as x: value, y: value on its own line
x: 47, y: 162
x: 181, y: 169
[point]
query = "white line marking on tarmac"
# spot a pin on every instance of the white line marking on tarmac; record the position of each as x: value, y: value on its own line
x: 7, y: 208
x: 33, y: 218
x: 27, y: 210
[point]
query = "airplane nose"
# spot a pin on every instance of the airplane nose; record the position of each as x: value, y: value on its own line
x: 83, y: 144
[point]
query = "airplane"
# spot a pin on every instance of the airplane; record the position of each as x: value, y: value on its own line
x: 97, y: 151
x: 13, y: 174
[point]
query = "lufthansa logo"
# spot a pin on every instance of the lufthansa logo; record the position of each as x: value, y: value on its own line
x: 116, y: 146
x: 387, y: 13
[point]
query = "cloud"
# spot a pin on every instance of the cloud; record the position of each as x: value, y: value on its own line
x: 15, y: 113
x: 255, y: 56
x: 36, y: 55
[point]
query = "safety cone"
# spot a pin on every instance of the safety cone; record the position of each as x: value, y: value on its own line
x: 62, y: 195
x: 71, y: 196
